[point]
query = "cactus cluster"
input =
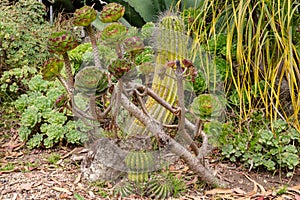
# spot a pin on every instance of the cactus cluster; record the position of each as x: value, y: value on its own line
x: 139, y: 164
x: 112, y: 12
x: 84, y: 16
x: 51, y: 68
x: 90, y: 81
x: 61, y: 42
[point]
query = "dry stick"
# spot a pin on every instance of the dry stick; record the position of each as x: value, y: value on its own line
x: 180, y: 94
x: 192, y: 161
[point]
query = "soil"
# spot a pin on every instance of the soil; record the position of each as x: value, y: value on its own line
x: 42, y: 174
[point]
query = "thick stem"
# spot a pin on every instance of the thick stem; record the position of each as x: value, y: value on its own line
x: 181, y: 124
x: 70, y: 78
x: 192, y: 161
x: 91, y: 33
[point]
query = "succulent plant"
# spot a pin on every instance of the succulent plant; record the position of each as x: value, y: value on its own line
x: 207, y: 106
x: 84, y: 16
x: 124, y: 189
x: 61, y: 42
x: 114, y: 33
x: 118, y: 68
x: 147, y: 30
x: 139, y: 164
x: 91, y: 80
x: 160, y: 188
x: 51, y: 68
x: 112, y: 12
x: 133, y: 45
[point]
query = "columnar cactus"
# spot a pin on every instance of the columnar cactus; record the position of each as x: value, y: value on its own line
x: 112, y: 12
x: 51, y: 68
x: 139, y: 164
x: 84, y: 16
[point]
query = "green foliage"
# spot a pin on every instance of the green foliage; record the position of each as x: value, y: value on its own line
x: 53, y: 158
x: 43, y: 124
x: 277, y: 149
x: 23, y: 33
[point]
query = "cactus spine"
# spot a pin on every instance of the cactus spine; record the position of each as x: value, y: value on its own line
x: 171, y: 43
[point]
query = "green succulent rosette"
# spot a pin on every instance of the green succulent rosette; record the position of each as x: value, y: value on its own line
x: 51, y: 68
x: 147, y: 30
x: 133, y: 45
x: 61, y: 42
x: 90, y: 81
x: 207, y: 107
x: 139, y: 164
x: 112, y: 12
x: 84, y: 16
x: 113, y: 34
x: 118, y: 68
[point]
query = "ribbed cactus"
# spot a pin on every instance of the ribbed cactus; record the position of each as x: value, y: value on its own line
x: 159, y: 189
x: 139, y: 164
x: 171, y: 44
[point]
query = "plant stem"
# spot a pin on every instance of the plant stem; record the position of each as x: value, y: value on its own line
x: 70, y: 78
x: 176, y: 148
x: 91, y: 33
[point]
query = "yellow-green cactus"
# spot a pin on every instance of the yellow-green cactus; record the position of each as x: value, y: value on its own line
x: 171, y: 44
x: 139, y: 164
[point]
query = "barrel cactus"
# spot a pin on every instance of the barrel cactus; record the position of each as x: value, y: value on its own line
x: 207, y: 106
x: 84, y: 16
x: 90, y: 81
x: 51, y: 68
x: 114, y: 33
x: 112, y: 12
x: 61, y: 42
x: 124, y: 189
x: 139, y: 164
x: 159, y: 188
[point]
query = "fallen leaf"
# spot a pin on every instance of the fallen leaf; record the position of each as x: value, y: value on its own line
x: 26, y: 186
x: 261, y: 198
x: 59, y: 189
x: 238, y: 191
x: 297, y: 187
x: 77, y: 178
x: 218, y: 191
x: 297, y: 197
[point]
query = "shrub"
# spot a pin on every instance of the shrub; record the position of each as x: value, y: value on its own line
x: 23, y: 49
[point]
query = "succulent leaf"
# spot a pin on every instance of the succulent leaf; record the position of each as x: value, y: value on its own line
x: 91, y: 80
x: 133, y: 45
x: 112, y: 12
x: 84, y: 16
x: 51, y: 68
x: 118, y: 68
x: 61, y: 42
x: 114, y: 33
x: 207, y: 106
x: 160, y: 188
